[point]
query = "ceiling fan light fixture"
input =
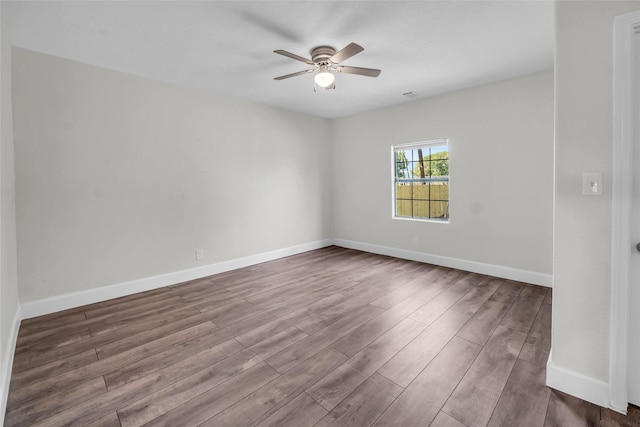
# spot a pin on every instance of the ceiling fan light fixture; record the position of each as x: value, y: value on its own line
x: 324, y: 78
x: 326, y: 61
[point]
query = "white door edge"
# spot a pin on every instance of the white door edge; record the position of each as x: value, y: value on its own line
x: 621, y: 245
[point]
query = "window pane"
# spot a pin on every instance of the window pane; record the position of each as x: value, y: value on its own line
x: 421, y: 209
x: 439, y: 210
x: 403, y: 199
x: 413, y: 170
x: 404, y: 208
x: 403, y: 191
x: 440, y: 149
x: 439, y: 191
x: 401, y: 164
x: 420, y: 191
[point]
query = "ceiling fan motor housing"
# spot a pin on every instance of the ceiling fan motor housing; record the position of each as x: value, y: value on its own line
x: 321, y: 54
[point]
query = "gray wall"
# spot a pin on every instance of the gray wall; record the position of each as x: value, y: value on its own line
x: 8, y: 269
x: 130, y: 172
x: 501, y: 166
x: 127, y: 171
x: 584, y: 132
x: 121, y: 177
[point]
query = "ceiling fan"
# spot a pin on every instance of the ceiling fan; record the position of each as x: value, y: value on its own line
x: 326, y: 60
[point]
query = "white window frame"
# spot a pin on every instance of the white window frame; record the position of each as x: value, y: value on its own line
x: 399, y: 147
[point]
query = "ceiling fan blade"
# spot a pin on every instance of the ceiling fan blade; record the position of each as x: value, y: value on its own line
x: 299, y: 73
x: 293, y: 56
x: 370, y: 72
x: 346, y: 53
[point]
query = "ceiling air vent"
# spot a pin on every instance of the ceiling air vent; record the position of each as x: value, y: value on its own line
x: 411, y: 95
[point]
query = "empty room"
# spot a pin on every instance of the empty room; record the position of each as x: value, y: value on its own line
x: 320, y: 213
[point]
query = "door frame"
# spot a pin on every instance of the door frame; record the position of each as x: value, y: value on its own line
x: 622, y: 247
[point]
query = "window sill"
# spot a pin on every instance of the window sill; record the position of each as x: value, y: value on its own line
x: 437, y: 221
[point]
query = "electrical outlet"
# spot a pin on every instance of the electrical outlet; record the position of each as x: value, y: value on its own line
x: 416, y: 241
x: 199, y: 254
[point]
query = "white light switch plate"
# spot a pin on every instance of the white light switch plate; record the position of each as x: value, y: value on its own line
x: 592, y: 184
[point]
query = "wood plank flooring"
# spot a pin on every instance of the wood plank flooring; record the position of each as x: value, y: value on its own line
x: 332, y: 337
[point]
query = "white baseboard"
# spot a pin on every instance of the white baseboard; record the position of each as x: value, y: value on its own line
x: 7, y: 364
x: 461, y: 264
x: 63, y: 302
x: 576, y: 384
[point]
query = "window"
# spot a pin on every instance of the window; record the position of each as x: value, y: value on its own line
x: 421, y: 180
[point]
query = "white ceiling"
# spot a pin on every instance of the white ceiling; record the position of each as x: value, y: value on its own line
x: 427, y: 47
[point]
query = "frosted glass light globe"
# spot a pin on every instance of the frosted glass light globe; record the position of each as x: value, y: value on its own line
x: 324, y: 79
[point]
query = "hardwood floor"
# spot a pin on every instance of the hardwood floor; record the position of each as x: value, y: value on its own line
x: 332, y: 337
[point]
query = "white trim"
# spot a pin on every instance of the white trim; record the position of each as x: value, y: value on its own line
x: 461, y: 264
x: 437, y: 141
x: 576, y: 384
x: 621, y: 245
x: 7, y: 363
x: 76, y: 299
